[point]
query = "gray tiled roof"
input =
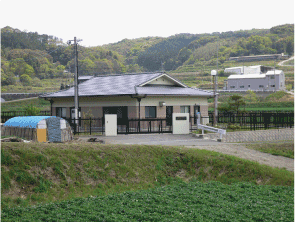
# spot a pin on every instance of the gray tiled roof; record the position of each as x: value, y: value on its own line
x: 126, y: 84
x: 167, y: 90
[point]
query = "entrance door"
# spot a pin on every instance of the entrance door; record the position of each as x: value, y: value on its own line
x: 196, y: 110
x: 121, y: 111
x: 169, y: 112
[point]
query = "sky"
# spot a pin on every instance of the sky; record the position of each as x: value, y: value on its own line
x: 103, y: 22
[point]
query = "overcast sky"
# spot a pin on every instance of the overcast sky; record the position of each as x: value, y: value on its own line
x: 102, y: 22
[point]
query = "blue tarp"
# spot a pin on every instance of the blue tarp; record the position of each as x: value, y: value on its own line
x: 26, y: 121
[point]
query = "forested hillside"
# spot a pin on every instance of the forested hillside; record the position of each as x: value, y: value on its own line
x: 28, y: 57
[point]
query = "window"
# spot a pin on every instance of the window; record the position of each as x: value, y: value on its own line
x: 242, y: 86
x: 261, y: 85
x: 248, y: 85
x: 232, y: 86
x: 61, y: 112
x: 150, y: 111
x: 272, y: 85
x: 184, y: 109
x: 272, y: 77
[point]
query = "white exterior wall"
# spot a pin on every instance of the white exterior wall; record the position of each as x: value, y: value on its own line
x: 162, y: 81
x: 174, y: 101
x: 96, y: 101
x: 252, y: 70
x: 128, y: 101
x: 96, y: 104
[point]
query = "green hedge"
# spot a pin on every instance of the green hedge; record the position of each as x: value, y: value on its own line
x: 270, y: 104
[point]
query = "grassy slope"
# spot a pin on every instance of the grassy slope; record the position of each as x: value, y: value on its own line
x: 285, y: 149
x: 21, y: 105
x: 33, y: 173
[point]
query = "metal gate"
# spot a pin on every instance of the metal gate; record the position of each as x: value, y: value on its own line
x: 139, y: 126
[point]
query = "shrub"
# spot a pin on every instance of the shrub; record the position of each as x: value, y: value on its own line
x: 275, y: 96
x: 32, y: 110
x: 25, y: 80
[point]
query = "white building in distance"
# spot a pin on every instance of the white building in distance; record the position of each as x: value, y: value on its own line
x: 255, y: 78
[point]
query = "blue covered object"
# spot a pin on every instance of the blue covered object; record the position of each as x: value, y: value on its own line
x: 26, y: 121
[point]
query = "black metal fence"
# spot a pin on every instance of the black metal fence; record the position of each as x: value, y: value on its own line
x: 226, y: 120
x: 130, y: 126
x: 6, y: 115
x: 254, y: 120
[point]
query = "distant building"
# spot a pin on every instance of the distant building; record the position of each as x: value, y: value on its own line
x: 84, y: 78
x: 259, y: 57
x: 272, y: 80
x: 256, y: 69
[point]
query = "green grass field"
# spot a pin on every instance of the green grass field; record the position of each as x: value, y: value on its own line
x: 285, y: 149
x: 40, y: 179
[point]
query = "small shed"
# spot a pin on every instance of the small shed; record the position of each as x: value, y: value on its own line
x: 38, y: 128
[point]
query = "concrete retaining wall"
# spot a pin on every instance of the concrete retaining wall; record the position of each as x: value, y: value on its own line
x: 258, y: 135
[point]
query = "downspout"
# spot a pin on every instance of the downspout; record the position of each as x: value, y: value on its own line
x: 51, y: 102
x: 139, y: 100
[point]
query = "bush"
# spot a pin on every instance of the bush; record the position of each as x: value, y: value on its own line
x: 25, y: 80
x: 275, y: 96
x: 36, y: 82
x: 233, y: 127
x: 32, y: 110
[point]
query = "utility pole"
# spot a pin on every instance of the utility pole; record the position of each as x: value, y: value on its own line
x: 214, y: 73
x: 76, y: 98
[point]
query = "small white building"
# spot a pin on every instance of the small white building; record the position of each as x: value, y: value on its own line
x: 256, y: 69
x: 272, y: 80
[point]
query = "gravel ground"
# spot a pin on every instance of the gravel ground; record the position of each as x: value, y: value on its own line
x: 253, y: 155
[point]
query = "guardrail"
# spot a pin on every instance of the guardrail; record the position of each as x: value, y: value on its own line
x: 212, y: 129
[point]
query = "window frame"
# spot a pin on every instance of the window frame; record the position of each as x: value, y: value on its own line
x: 148, y: 111
x: 185, y: 107
x: 59, y: 112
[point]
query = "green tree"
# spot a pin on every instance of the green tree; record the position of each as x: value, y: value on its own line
x: 32, y: 110
x: 25, y: 79
x: 290, y: 45
x: 235, y: 102
x: 251, y: 96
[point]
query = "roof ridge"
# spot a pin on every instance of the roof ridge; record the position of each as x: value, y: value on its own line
x: 200, y: 89
x: 128, y: 74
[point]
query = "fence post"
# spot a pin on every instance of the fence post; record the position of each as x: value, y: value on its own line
x: 90, y: 126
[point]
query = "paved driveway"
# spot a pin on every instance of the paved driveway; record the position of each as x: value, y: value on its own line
x: 156, y: 139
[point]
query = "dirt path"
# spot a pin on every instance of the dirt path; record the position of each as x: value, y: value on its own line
x: 282, y: 62
x: 253, y: 155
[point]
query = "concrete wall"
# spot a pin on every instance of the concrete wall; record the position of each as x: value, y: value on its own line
x: 252, y: 136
